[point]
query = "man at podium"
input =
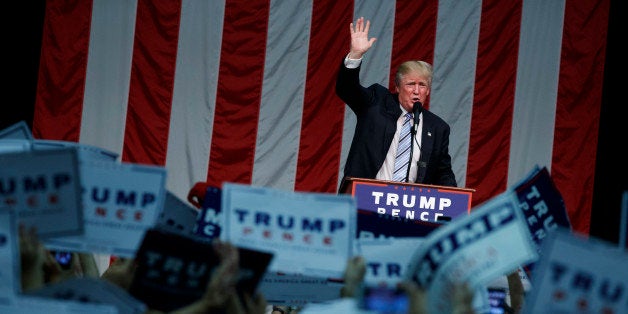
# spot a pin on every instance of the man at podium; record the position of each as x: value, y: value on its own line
x: 395, y: 138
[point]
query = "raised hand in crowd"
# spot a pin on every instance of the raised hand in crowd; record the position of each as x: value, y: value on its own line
x: 80, y: 265
x: 416, y: 297
x: 120, y: 272
x: 40, y: 267
x: 54, y: 272
x: 462, y: 299
x: 87, y: 264
x: 221, y: 294
x: 517, y: 293
x: 353, y: 276
x: 33, y: 256
x: 245, y: 303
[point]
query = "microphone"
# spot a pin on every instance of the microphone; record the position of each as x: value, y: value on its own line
x: 416, y: 109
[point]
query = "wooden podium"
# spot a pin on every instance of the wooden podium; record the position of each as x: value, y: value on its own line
x: 399, y: 209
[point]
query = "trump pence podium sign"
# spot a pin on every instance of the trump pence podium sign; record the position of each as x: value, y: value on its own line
x: 397, y: 209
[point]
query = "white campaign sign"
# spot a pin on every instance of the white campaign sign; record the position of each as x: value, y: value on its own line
x: 578, y: 275
x: 490, y: 242
x: 9, y: 257
x: 387, y: 259
x: 43, y: 188
x: 121, y: 201
x: 18, y: 130
x: 309, y: 233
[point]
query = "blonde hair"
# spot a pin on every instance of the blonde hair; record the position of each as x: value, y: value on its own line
x: 414, y: 66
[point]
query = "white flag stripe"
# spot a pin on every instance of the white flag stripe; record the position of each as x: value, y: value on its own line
x: 108, y: 74
x: 455, y: 52
x: 537, y: 85
x: 194, y: 97
x: 285, y: 72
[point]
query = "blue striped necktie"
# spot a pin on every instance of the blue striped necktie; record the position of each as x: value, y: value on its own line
x: 403, y: 151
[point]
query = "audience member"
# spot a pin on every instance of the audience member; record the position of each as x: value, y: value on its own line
x: 33, y: 256
x: 517, y: 293
x: 464, y: 299
x: 280, y: 309
x: 416, y: 297
x: 39, y: 268
x: 354, y: 273
x: 120, y: 272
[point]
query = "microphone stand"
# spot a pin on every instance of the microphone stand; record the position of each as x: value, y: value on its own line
x: 416, y: 109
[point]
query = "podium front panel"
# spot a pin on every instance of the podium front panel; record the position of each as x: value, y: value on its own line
x: 393, y: 209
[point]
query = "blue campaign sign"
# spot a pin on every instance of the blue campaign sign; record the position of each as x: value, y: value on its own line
x: 402, y: 210
x: 542, y: 204
x: 208, y: 222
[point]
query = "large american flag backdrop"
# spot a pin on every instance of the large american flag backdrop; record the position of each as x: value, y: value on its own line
x: 243, y: 91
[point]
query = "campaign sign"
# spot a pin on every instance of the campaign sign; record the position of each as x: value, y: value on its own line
x: 14, y: 145
x: 387, y: 259
x: 398, y: 210
x: 86, y: 152
x: 502, y: 282
x: 177, y: 216
x: 121, y: 201
x: 297, y: 289
x: 91, y: 291
x: 253, y: 265
x: 18, y: 130
x: 172, y: 269
x: 43, y: 188
x: 578, y: 275
x: 491, y: 241
x: 208, y: 222
x: 33, y: 304
x: 541, y: 203
x: 309, y: 233
x: 9, y: 257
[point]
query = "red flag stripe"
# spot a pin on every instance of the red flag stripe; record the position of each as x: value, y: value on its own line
x: 493, y: 98
x: 239, y: 92
x: 61, y: 82
x: 323, y: 112
x: 152, y: 81
x: 578, y: 109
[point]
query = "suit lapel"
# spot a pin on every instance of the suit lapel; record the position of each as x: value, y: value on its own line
x: 391, y: 112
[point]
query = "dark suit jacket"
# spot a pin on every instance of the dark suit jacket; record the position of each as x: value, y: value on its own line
x: 377, y: 111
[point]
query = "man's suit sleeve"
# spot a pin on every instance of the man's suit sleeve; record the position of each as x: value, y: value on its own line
x: 348, y: 84
x: 445, y: 175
